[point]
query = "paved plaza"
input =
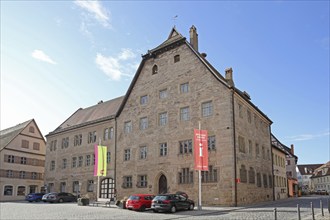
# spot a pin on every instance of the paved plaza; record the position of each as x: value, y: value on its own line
x: 285, y: 209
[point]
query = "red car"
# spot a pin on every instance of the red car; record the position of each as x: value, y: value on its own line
x: 139, y: 202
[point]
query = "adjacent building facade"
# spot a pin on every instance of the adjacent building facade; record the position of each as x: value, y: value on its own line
x: 321, y: 179
x: 304, y: 176
x: 22, y: 162
x: 151, y: 146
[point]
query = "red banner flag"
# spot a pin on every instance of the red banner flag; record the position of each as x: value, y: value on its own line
x: 201, y: 150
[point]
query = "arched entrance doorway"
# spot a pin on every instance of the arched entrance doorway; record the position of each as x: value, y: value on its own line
x: 162, y: 184
x: 107, y: 187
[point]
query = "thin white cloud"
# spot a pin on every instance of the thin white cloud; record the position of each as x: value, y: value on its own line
x: 40, y: 55
x: 96, y: 10
x: 117, y: 67
x: 306, y: 137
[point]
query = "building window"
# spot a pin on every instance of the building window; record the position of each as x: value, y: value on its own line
x: 128, y: 127
x: 80, y: 161
x: 8, y: 191
x: 77, y: 140
x: 93, y: 159
x: 36, y: 146
x: 143, y: 152
x: 288, y: 162
x: 241, y: 144
x: 163, y: 94
x: 62, y: 186
x: 9, y: 173
x: 64, y: 163
x: 11, y: 159
x: 163, y: 118
x: 31, y: 129
x: 91, y: 137
x: 21, y: 190
x: 211, y: 142
x: 142, y: 181
x: 184, y: 88
x: 249, y: 116
x: 185, y: 147
x: 108, y: 157
x: 250, y: 147
x: 264, y: 177
x: 186, y: 176
x: 257, y: 150
x: 127, y: 154
x: 243, y: 174
x: 53, y: 145
x: 65, y: 142
x: 252, y: 175
x: 154, y: 69
x: 240, y: 110
x: 144, y: 100
x: 258, y: 179
x: 143, y: 123
x: 210, y: 176
x: 52, y: 165
x: 90, y: 185
x: 25, y: 144
x: 106, y: 134
x: 88, y: 160
x: 51, y: 187
x: 74, y: 162
x: 111, y: 133
x: 23, y: 160
x: 127, y: 183
x: 163, y: 149
x: 184, y: 114
x: 22, y: 174
x: 75, y: 187
x: 263, y: 152
x: 270, y: 181
x: 176, y: 58
x: 207, y: 109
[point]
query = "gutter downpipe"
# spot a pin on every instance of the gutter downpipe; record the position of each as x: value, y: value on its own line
x: 234, y: 131
x: 115, y: 173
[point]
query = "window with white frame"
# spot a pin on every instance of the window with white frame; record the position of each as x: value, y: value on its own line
x: 184, y: 114
x: 52, y: 165
x: 74, y: 162
x: 91, y: 137
x: 33, y: 175
x: 127, y: 182
x: 144, y: 100
x: 23, y: 160
x: 88, y: 160
x: 163, y: 118
x: 163, y: 94
x: 80, y: 161
x: 22, y: 174
x: 142, y: 181
x: 64, y: 163
x: 207, y: 109
x: 75, y: 186
x: 9, y: 173
x: 128, y: 127
x: 143, y: 152
x: 11, y: 159
x: 127, y: 154
x: 143, y: 123
x: 184, y: 87
x: 108, y: 157
x: 163, y: 149
x: 90, y: 185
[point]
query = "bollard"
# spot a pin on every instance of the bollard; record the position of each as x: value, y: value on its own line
x: 321, y: 206
x: 275, y: 213
x: 298, y: 212
x: 329, y: 204
x: 312, y: 208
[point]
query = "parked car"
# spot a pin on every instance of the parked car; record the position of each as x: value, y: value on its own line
x: 60, y: 197
x: 171, y: 203
x: 34, y: 197
x: 44, y: 197
x: 139, y: 201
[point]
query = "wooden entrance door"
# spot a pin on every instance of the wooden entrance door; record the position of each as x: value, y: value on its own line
x: 162, y: 184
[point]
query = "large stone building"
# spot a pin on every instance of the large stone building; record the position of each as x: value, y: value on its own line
x: 321, y: 179
x: 22, y: 161
x: 149, y: 134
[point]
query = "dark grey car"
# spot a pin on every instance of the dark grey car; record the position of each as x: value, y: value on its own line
x: 60, y: 197
x: 171, y: 203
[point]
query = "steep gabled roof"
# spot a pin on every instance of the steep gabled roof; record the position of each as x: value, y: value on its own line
x: 96, y: 113
x: 308, y: 169
x: 276, y: 143
x: 7, y: 135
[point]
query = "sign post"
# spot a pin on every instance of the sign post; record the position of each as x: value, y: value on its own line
x: 201, y: 158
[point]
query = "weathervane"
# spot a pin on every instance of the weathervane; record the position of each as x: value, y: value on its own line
x: 174, y: 19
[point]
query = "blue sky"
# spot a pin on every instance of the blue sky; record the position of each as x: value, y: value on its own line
x: 58, y: 56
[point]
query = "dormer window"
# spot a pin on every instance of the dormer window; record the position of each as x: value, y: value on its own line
x: 154, y: 69
x: 176, y: 58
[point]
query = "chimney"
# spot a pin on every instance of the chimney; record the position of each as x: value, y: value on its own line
x: 229, y: 76
x: 194, y: 37
x: 292, y: 149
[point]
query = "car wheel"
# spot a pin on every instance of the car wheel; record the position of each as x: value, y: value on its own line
x: 30, y: 201
x: 60, y: 200
x: 142, y: 208
x: 173, y: 209
x: 191, y: 207
x: 154, y: 210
